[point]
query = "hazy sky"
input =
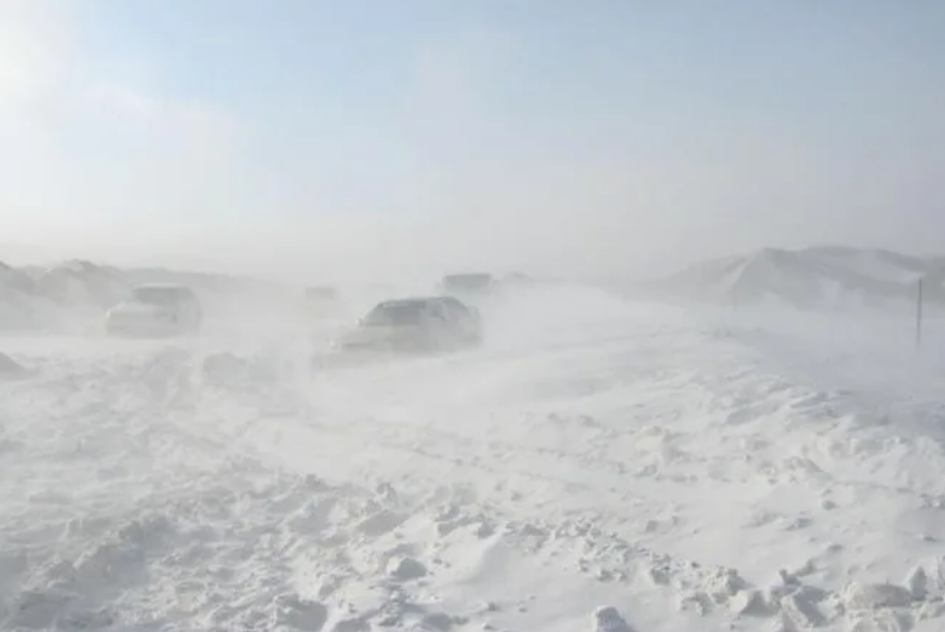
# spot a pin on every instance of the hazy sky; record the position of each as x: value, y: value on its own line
x: 592, y: 136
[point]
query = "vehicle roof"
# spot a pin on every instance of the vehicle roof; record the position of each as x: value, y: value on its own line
x: 162, y: 286
x: 450, y: 299
x: 408, y: 300
x: 467, y: 275
x: 437, y: 298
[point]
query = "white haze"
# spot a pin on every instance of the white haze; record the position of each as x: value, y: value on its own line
x: 107, y: 168
x: 613, y: 456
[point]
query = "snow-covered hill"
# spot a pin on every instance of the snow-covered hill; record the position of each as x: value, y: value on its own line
x: 598, y: 465
x: 72, y: 296
x: 809, y: 278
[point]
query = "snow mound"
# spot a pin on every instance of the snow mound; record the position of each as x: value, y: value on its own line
x: 10, y: 367
x: 808, y: 278
x: 81, y: 284
x: 72, y: 296
x: 20, y: 306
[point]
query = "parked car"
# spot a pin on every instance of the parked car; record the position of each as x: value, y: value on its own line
x: 156, y: 309
x: 416, y: 324
x: 466, y: 283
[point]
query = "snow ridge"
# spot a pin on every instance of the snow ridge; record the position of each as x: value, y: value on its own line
x: 811, y: 278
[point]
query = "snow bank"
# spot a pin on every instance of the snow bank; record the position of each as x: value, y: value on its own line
x: 827, y: 277
x: 10, y: 367
x: 72, y: 297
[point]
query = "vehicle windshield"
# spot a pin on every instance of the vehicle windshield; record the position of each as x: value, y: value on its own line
x: 405, y: 313
x: 468, y: 281
x: 157, y: 295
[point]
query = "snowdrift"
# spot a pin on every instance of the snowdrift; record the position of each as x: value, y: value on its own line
x: 73, y: 296
x: 812, y: 278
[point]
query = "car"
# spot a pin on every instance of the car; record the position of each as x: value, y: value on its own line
x: 156, y: 309
x: 416, y: 324
x: 466, y: 283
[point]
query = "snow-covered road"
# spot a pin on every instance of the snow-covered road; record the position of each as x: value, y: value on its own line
x: 693, y: 471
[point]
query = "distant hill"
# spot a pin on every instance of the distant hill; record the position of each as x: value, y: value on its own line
x: 74, y: 295
x: 810, y: 278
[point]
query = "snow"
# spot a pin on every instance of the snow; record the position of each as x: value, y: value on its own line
x: 878, y: 264
x: 835, y: 278
x: 599, y: 464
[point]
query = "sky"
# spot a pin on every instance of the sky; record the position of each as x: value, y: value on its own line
x: 320, y: 139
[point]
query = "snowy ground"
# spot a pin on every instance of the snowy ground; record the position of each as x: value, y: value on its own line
x: 724, y: 471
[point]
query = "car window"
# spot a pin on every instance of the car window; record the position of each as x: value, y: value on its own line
x: 467, y: 281
x: 448, y: 309
x: 406, y: 313
x: 433, y: 311
x: 457, y: 307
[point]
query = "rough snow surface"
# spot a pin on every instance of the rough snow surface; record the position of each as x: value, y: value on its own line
x: 597, y: 465
x: 825, y: 278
